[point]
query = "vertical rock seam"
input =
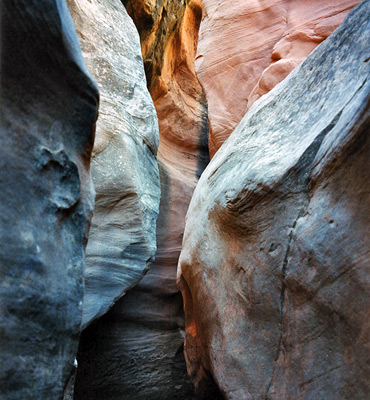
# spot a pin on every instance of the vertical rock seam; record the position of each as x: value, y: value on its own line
x: 311, y: 155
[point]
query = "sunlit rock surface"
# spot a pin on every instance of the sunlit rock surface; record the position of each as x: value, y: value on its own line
x: 275, y: 261
x: 246, y: 47
x: 48, y: 111
x: 124, y: 167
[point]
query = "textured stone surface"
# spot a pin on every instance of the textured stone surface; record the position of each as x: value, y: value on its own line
x: 168, y: 45
x: 247, y: 47
x: 146, y: 325
x: 124, y: 167
x: 158, y: 22
x: 48, y: 112
x: 275, y: 261
x: 182, y: 156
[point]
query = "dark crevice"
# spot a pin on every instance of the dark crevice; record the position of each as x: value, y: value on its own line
x: 203, y: 152
x: 282, y: 296
x: 284, y: 268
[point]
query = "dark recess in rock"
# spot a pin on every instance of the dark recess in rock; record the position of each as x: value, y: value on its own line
x: 118, y: 359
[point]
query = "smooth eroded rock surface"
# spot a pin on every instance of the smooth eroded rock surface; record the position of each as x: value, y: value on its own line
x: 48, y: 111
x: 143, y: 333
x: 124, y: 167
x: 275, y: 261
x: 247, y: 47
x: 154, y: 307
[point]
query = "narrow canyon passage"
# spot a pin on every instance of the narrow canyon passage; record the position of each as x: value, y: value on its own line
x: 136, y: 349
x: 184, y: 200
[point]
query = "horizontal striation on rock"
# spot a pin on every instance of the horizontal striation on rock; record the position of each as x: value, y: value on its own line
x: 48, y: 111
x: 124, y: 167
x: 246, y: 47
x: 276, y: 253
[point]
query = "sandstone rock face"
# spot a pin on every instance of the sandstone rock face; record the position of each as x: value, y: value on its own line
x: 48, y: 111
x: 153, y: 310
x: 275, y: 261
x: 142, y: 356
x: 169, y: 44
x: 157, y: 22
x: 124, y: 167
x: 247, y: 47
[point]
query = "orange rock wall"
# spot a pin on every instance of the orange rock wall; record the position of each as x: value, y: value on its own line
x: 247, y: 47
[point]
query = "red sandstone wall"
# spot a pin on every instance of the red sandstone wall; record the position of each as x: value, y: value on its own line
x: 246, y: 47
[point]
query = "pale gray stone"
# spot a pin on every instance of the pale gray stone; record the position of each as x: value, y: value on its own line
x: 124, y: 167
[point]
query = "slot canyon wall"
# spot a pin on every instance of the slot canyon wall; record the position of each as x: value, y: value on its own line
x: 275, y: 255
x: 49, y: 107
x: 122, y: 240
x: 246, y: 47
x: 275, y: 260
x: 124, y: 166
x: 137, y: 348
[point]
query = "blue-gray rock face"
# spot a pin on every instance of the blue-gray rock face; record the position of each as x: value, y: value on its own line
x: 124, y: 167
x: 275, y: 261
x: 48, y: 111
